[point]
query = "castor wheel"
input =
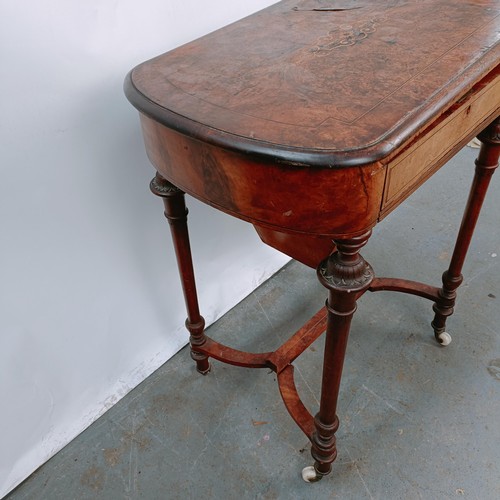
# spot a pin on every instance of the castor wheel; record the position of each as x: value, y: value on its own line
x: 310, y: 475
x: 444, y: 338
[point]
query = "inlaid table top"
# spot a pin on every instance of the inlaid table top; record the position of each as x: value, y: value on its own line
x: 323, y: 82
x: 319, y: 117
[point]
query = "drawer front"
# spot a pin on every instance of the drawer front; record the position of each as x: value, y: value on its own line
x: 408, y: 170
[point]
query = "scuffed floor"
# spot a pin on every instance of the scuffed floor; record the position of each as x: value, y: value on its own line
x: 418, y: 421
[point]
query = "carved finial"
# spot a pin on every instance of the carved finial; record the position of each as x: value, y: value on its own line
x: 161, y: 187
x: 346, y: 269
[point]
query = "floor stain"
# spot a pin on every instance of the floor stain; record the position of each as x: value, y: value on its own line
x: 113, y: 456
x: 272, y: 296
x: 161, y: 403
x: 444, y: 256
x: 494, y: 368
x: 93, y: 478
x: 142, y: 442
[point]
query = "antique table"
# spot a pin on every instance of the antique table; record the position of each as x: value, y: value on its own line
x: 313, y: 120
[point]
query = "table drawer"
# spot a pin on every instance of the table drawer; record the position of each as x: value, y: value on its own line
x: 409, y: 169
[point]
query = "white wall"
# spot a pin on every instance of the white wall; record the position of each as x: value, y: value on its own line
x: 89, y: 298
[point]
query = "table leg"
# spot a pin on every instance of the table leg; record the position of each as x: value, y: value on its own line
x: 346, y: 275
x: 176, y: 214
x: 486, y: 164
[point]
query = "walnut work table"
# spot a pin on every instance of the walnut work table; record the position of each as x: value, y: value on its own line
x: 312, y: 120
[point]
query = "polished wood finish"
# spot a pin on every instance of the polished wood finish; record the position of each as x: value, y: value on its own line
x: 313, y: 121
x: 346, y: 275
x: 268, y: 193
x: 293, y: 403
x: 325, y: 89
x: 176, y: 214
x: 486, y: 164
x: 413, y: 165
x: 310, y: 249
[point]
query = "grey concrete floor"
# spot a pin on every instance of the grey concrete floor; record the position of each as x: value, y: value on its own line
x: 417, y: 420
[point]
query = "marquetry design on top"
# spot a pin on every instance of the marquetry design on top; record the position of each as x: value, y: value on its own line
x: 340, y: 79
x: 346, y: 35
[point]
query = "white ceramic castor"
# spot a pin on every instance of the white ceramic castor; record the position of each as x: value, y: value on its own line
x: 309, y: 474
x: 444, y: 338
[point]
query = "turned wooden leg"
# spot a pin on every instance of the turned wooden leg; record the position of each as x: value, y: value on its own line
x: 486, y: 164
x: 176, y: 214
x: 346, y: 275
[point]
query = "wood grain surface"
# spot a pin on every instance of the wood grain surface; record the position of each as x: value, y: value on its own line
x: 334, y: 83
